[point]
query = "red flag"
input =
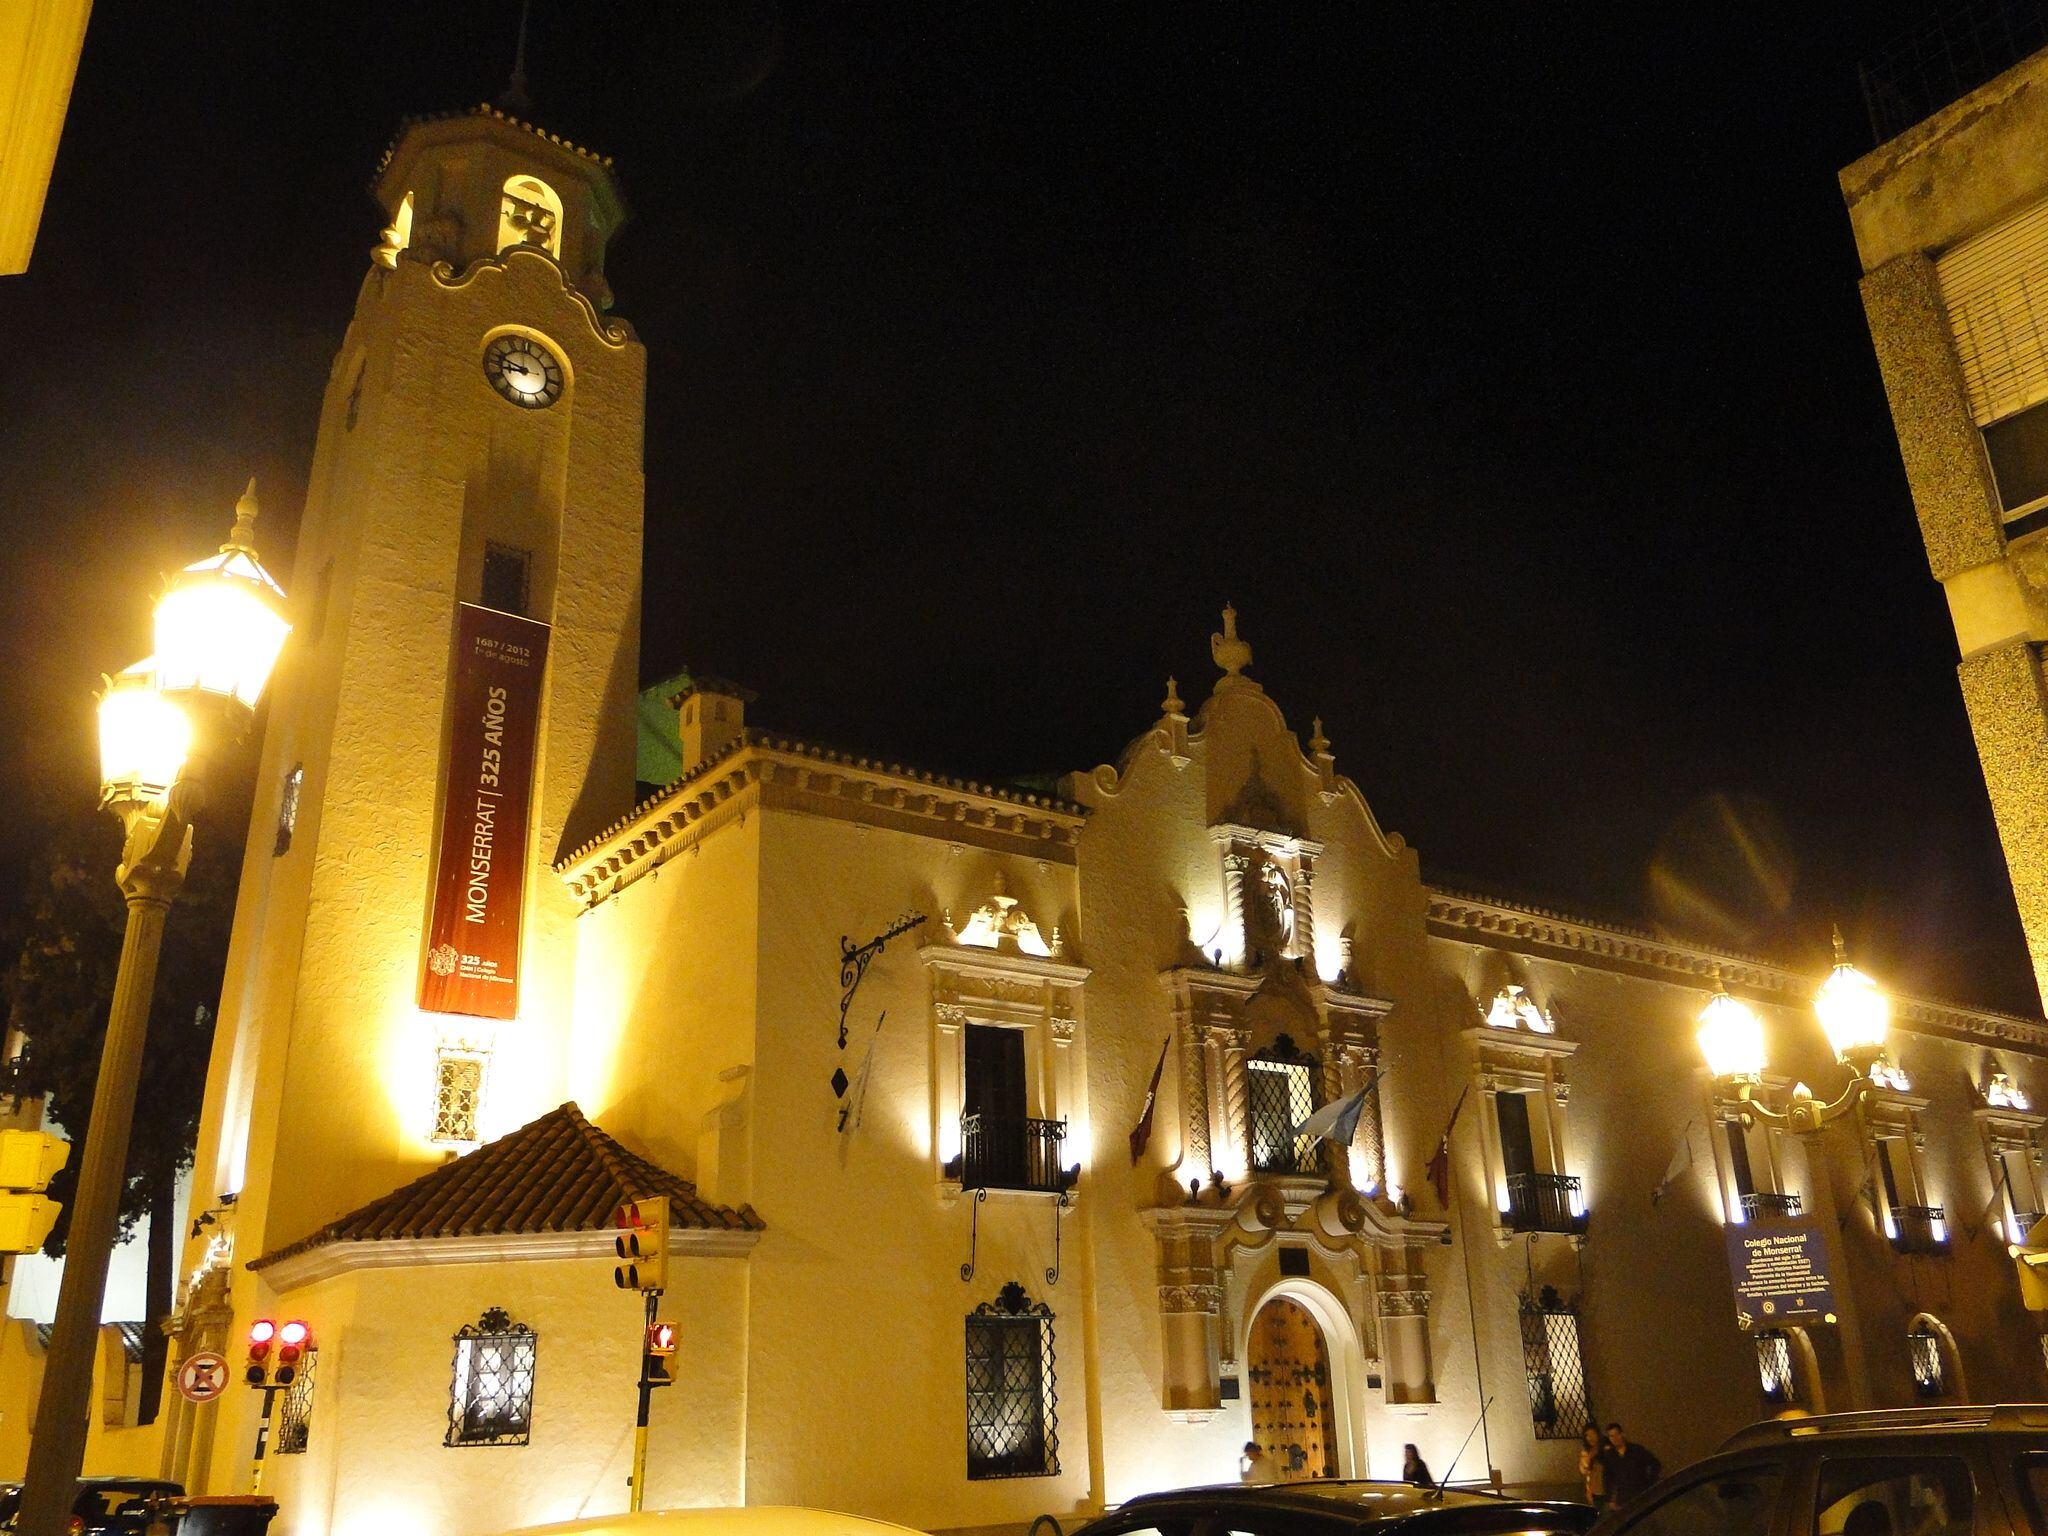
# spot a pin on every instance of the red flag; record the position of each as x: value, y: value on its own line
x: 1142, y: 1132
x: 1440, y: 1165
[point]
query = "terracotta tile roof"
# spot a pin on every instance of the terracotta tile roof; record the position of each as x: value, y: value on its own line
x: 559, y: 1173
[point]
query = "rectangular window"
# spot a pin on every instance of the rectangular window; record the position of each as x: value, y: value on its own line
x: 505, y: 578
x: 458, y: 1093
x: 1926, y: 1495
x: 2018, y: 449
x: 995, y: 1132
x: 1555, y: 1367
x: 1738, y: 1158
x: 288, y: 808
x: 491, y: 1400
x: 1279, y: 1095
x: 295, y: 1412
x: 1012, y: 1405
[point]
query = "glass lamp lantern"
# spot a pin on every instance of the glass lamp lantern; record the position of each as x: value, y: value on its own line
x: 1731, y: 1037
x: 220, y: 623
x: 1854, y: 1012
x: 144, y: 736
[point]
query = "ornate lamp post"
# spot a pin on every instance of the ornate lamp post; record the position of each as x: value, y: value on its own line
x: 219, y: 627
x: 1854, y: 1015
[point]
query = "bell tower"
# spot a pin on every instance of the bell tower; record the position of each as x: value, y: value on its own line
x: 478, y: 463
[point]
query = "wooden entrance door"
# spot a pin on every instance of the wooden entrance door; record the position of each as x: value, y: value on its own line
x: 1289, y: 1372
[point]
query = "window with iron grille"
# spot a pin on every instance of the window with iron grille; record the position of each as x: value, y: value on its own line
x: 1012, y: 1401
x: 1774, y: 1368
x: 491, y: 1401
x: 1926, y: 1352
x: 1555, y: 1366
x: 1279, y: 1095
x: 458, y: 1091
x: 295, y: 1411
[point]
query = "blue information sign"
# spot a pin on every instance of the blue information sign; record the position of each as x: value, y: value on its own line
x: 1780, y: 1270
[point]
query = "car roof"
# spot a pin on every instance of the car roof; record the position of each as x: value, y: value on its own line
x: 1991, y: 1417
x: 752, y: 1520
x: 1358, y: 1496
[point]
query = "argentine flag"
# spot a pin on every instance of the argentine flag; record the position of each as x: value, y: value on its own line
x: 1337, y: 1121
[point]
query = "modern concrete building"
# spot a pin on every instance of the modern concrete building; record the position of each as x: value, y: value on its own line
x: 977, y: 1107
x: 1951, y: 223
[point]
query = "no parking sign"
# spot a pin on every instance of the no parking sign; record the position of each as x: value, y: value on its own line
x: 202, y: 1377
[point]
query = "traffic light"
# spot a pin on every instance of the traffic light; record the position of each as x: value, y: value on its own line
x: 642, y: 1245
x: 261, y: 1332
x: 28, y: 1161
x: 292, y: 1340
x: 661, y: 1343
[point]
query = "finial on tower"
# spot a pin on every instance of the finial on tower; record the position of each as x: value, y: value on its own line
x: 244, y: 535
x: 1319, y: 744
x: 516, y: 98
x: 1231, y: 654
x: 1171, y: 704
x: 1841, y: 951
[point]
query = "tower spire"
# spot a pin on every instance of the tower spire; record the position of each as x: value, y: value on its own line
x: 516, y: 98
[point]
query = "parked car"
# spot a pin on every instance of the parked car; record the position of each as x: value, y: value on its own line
x: 105, y: 1506
x: 1336, y: 1507
x: 1980, y: 1471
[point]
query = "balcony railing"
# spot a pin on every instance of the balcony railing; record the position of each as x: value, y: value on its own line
x: 1012, y: 1152
x: 1545, y: 1202
x: 2023, y: 1222
x: 1763, y: 1205
x: 1919, y: 1229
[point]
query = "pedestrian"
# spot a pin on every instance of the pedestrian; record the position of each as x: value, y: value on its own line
x: 1630, y: 1468
x: 1414, y: 1469
x: 1257, y: 1464
x: 1593, y: 1465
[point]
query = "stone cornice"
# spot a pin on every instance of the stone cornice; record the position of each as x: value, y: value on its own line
x: 973, y: 960
x: 786, y: 774
x: 1485, y: 920
x: 323, y: 1262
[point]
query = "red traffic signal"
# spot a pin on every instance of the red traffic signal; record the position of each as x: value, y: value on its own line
x: 642, y: 1245
x: 292, y: 1340
x: 661, y: 1343
x: 261, y: 1332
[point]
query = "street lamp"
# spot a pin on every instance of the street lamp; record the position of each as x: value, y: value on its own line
x: 1854, y: 1015
x: 219, y: 627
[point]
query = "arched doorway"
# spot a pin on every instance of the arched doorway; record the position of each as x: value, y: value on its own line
x: 1293, y: 1403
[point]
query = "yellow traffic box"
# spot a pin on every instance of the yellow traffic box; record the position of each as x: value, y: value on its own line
x: 30, y: 1159
x: 25, y: 1220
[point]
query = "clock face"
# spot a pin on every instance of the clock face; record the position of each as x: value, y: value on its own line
x: 524, y: 371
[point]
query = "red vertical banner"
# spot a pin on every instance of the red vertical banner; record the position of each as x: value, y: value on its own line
x: 472, y: 963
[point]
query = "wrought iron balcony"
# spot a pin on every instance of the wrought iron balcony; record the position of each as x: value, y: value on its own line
x: 1544, y: 1202
x: 1762, y: 1205
x: 1919, y: 1229
x: 1013, y: 1152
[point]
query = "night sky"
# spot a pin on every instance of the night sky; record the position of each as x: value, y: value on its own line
x: 1504, y: 366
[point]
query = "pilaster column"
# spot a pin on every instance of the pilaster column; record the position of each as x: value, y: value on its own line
x: 1194, y: 1097
x: 1236, y: 1134
x: 1305, y: 908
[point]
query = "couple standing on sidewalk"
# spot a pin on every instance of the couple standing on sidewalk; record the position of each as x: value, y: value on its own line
x: 1615, y: 1469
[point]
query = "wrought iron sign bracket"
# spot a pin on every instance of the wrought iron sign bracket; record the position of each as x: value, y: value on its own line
x: 854, y: 960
